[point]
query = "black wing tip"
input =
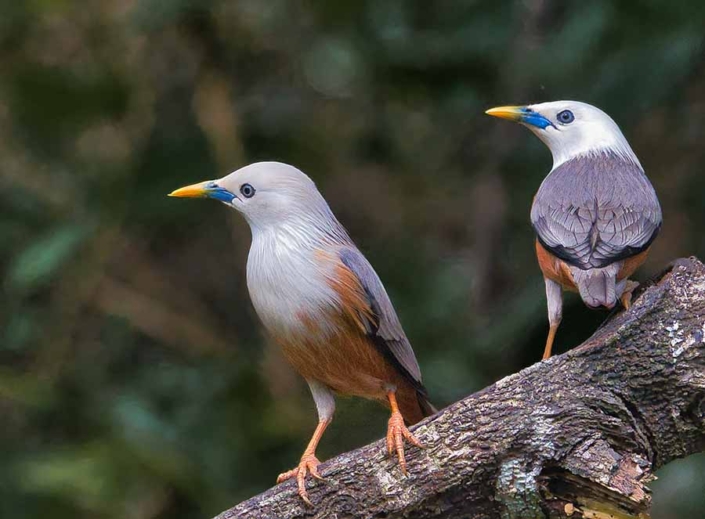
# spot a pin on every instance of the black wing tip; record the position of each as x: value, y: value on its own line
x: 564, y: 253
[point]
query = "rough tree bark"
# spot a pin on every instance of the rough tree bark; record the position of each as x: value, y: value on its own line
x: 576, y: 436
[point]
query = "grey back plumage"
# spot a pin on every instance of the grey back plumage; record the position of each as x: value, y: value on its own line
x: 594, y: 210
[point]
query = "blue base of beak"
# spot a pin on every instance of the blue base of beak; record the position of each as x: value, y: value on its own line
x: 534, y: 119
x: 218, y: 193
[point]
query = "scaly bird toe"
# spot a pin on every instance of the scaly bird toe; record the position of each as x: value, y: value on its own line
x: 397, y: 432
x: 308, y: 465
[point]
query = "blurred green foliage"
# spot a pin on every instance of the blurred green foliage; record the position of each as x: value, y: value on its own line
x: 134, y: 379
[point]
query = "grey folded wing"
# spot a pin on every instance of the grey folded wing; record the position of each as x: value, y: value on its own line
x: 592, y: 212
x: 383, y: 328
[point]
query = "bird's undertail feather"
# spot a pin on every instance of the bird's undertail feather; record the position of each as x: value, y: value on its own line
x: 598, y: 287
x: 414, y: 406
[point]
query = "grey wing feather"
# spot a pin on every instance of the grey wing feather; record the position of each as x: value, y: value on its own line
x: 386, y: 331
x: 594, y: 211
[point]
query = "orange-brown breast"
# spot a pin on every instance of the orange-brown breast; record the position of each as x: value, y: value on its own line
x: 348, y: 362
x: 334, y: 348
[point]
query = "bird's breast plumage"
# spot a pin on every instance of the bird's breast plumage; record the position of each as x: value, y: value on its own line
x: 313, y: 317
x: 288, y: 287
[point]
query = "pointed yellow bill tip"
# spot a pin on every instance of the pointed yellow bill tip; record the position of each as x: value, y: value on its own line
x: 193, y: 191
x: 511, y: 113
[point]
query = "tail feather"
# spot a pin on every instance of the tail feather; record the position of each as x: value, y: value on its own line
x: 598, y: 287
x: 427, y: 407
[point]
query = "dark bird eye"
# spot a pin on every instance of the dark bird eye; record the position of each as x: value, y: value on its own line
x: 566, y: 117
x: 247, y: 190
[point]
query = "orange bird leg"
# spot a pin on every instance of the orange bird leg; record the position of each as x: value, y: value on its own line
x: 308, y: 464
x: 397, y: 432
x: 325, y: 404
x: 549, y: 341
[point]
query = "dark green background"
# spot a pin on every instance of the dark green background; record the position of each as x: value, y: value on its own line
x: 134, y: 378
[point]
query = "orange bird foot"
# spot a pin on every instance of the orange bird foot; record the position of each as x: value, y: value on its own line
x: 396, y: 433
x: 308, y: 464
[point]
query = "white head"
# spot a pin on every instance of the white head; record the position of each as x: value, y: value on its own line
x: 570, y: 129
x: 269, y: 195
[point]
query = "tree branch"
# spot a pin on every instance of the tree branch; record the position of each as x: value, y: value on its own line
x: 576, y: 436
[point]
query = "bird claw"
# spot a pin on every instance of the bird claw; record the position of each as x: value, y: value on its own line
x: 397, y: 432
x: 308, y: 465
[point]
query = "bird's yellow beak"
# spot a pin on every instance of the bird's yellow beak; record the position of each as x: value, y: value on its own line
x: 208, y: 189
x: 521, y: 114
x: 200, y: 190
x: 511, y: 113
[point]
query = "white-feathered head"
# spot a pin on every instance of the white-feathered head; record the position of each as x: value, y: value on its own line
x: 267, y: 194
x: 569, y: 128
